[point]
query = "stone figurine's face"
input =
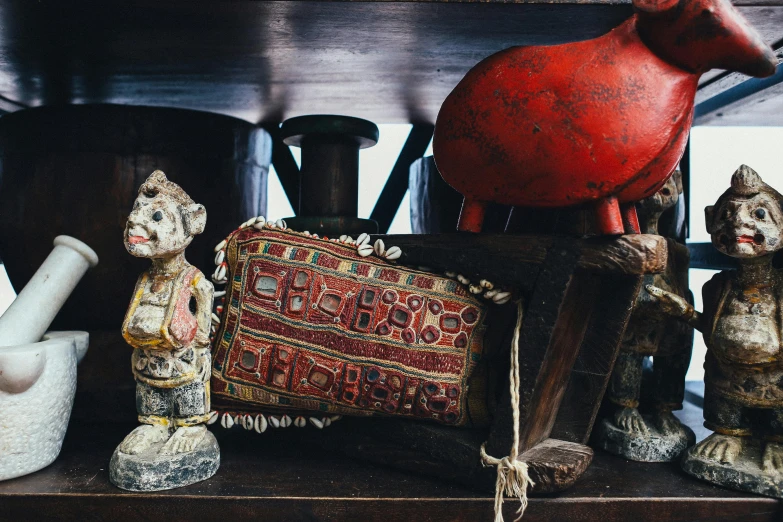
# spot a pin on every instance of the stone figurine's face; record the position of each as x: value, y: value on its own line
x: 747, y: 227
x: 666, y: 197
x: 159, y: 226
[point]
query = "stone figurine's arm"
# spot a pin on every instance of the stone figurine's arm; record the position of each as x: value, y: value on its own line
x: 203, y: 292
x: 676, y: 306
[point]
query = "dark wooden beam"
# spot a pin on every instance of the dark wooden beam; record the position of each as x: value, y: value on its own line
x: 285, y: 166
x: 685, y: 197
x: 510, y: 259
x: 612, y: 304
x: 736, y: 99
x: 704, y: 255
x: 397, y: 185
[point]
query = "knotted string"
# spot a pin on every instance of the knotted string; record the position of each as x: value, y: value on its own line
x: 513, y: 479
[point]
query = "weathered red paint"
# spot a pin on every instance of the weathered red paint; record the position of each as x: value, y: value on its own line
x: 552, y: 126
x: 630, y: 219
x: 608, y: 216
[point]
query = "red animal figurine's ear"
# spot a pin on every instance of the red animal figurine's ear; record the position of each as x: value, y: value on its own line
x: 655, y: 6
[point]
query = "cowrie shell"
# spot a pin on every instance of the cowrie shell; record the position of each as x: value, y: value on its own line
x: 248, y: 421
x: 393, y: 253
x: 363, y: 239
x: 260, y: 424
x: 501, y: 297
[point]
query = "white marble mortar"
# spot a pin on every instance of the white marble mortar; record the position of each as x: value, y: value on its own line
x: 37, y: 386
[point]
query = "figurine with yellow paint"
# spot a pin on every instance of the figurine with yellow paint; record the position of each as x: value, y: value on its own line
x: 167, y: 324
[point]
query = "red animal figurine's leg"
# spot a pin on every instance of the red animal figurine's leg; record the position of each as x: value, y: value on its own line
x: 630, y: 219
x: 472, y: 216
x: 608, y: 218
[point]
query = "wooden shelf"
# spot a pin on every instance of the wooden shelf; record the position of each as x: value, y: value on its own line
x: 388, y: 61
x: 283, y: 475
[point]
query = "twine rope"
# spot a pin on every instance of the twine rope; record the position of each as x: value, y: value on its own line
x: 513, y: 479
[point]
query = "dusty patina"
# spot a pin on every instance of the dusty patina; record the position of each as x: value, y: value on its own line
x: 167, y: 324
x: 741, y: 324
x: 656, y: 436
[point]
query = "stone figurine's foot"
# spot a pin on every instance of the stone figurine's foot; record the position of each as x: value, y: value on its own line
x: 772, y: 461
x: 649, y: 438
x: 720, y: 448
x: 631, y: 421
x: 189, y: 456
x: 755, y: 467
x: 667, y: 423
x: 143, y: 438
x: 184, y: 440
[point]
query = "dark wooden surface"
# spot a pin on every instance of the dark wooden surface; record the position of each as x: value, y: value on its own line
x: 76, y: 170
x: 387, y: 61
x: 283, y: 475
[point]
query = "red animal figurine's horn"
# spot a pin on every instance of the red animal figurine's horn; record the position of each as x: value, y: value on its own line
x: 602, y: 121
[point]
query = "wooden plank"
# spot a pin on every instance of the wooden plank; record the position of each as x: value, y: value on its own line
x: 284, y: 475
x: 510, y: 258
x: 751, y: 102
x: 271, y: 60
x: 736, y: 99
x: 548, y: 342
x: 613, y: 300
x: 555, y: 465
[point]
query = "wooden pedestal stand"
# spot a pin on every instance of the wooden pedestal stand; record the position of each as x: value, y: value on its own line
x: 578, y: 294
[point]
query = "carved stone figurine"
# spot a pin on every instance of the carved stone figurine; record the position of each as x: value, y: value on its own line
x: 167, y: 324
x: 658, y: 436
x: 741, y: 324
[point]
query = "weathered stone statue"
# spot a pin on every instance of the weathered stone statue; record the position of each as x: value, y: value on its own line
x: 167, y: 324
x: 657, y: 436
x: 741, y: 324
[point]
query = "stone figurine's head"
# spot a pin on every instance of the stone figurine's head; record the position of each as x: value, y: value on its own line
x: 666, y: 197
x: 164, y: 219
x: 747, y: 220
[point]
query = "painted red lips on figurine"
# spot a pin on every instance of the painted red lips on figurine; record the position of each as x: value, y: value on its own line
x: 604, y: 120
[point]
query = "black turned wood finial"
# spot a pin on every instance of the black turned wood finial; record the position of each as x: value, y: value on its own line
x: 329, y: 193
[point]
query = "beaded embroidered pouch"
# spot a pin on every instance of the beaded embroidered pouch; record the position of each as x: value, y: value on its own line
x: 309, y: 325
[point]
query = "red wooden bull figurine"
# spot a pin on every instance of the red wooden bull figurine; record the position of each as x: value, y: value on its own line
x: 603, y: 121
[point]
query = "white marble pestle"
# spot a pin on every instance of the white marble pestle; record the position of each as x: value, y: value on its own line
x: 34, y: 309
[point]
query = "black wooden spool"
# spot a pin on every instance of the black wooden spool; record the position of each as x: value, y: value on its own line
x: 329, y: 188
